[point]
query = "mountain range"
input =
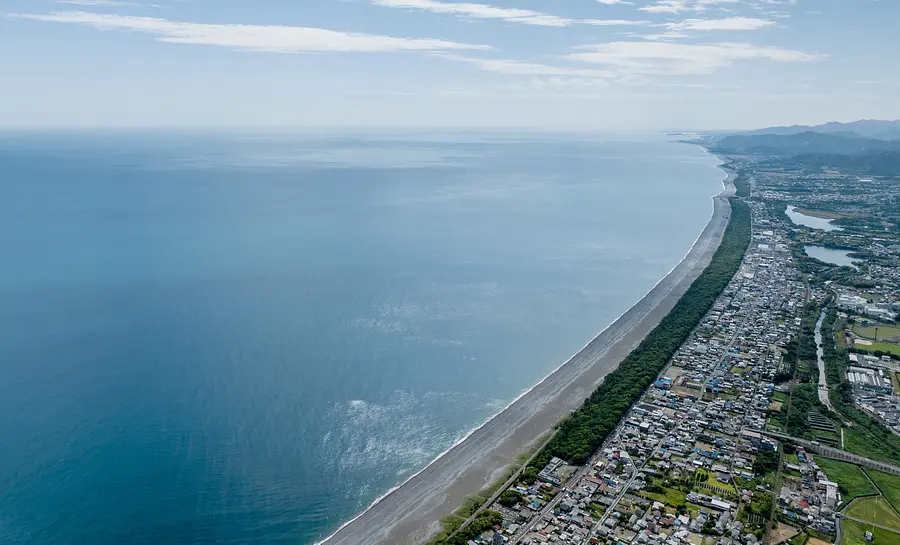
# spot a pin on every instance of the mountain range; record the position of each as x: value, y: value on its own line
x: 804, y: 142
x: 868, y: 128
x: 867, y: 147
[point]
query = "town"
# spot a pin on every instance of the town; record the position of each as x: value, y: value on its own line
x: 778, y: 420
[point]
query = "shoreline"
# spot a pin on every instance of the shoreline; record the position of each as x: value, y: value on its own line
x: 411, y: 512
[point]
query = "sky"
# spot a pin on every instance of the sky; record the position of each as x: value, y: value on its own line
x: 593, y: 65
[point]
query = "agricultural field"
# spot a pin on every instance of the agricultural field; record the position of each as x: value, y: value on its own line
x: 855, y: 534
x: 874, y: 509
x: 889, y: 485
x: 851, y: 479
x: 783, y: 533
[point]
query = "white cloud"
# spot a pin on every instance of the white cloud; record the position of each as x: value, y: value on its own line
x: 676, y: 59
x: 666, y: 6
x: 97, y: 2
x: 512, y: 15
x: 730, y: 23
x: 520, y: 68
x: 278, y: 39
x: 677, y: 6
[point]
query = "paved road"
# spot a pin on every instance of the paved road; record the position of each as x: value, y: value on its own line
x: 509, y: 482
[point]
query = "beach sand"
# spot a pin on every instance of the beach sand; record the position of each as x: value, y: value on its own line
x: 411, y: 514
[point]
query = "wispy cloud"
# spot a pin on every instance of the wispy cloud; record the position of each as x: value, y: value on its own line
x: 699, y: 6
x: 277, y: 39
x: 511, y: 15
x: 730, y: 23
x: 521, y: 68
x: 677, y: 59
x: 111, y: 3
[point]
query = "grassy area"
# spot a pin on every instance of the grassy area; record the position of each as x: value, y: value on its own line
x: 669, y: 496
x: 887, y: 348
x: 889, y: 486
x: 855, y: 534
x: 859, y: 443
x: 875, y: 509
x: 851, y: 478
x: 712, y: 481
x: 884, y: 331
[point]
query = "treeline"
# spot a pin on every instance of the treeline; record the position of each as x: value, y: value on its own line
x: 584, y: 431
x: 804, y: 348
x: 742, y: 184
x: 807, y: 369
x: 804, y: 399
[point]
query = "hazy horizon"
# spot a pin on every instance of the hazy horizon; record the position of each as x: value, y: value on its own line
x: 585, y: 65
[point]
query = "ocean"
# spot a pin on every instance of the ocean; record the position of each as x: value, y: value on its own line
x: 243, y: 338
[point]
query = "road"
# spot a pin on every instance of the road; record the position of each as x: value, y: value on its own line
x: 575, y: 478
x: 509, y: 482
x: 776, y: 491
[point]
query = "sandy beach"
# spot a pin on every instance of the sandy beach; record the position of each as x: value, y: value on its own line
x: 411, y: 513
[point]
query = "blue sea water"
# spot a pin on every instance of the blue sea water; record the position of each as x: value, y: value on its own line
x: 247, y: 338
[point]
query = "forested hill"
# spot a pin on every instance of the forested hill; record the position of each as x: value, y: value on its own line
x: 803, y: 143
x: 866, y: 128
x: 873, y: 163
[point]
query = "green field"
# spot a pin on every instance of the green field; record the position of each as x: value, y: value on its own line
x: 884, y: 331
x: 855, y: 534
x: 887, y: 348
x: 874, y: 509
x: 864, y: 445
x: 889, y: 486
x: 671, y: 497
x: 851, y: 479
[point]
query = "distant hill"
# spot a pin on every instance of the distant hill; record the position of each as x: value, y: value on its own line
x: 871, y: 163
x: 867, y: 128
x: 803, y: 143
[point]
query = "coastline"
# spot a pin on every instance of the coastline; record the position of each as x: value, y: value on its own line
x: 410, y: 513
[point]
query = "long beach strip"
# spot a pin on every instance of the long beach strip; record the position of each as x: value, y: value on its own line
x: 411, y: 513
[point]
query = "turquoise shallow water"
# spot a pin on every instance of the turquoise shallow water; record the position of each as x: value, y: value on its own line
x: 247, y: 338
